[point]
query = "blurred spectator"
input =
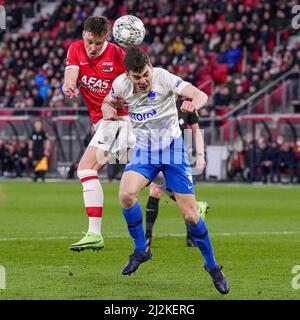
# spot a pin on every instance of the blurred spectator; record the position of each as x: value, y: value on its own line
x: 14, y: 16
x: 44, y: 89
x: 238, y: 94
x: 2, y: 156
x: 288, y: 161
x: 236, y: 164
x: 274, y: 157
x: 24, y: 157
x: 10, y: 163
x: 252, y: 157
x: 264, y: 162
x: 39, y: 149
x: 233, y: 55
x: 37, y: 99
x: 266, y: 79
x: 225, y: 97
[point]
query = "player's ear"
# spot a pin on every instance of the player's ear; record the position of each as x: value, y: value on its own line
x: 82, y: 34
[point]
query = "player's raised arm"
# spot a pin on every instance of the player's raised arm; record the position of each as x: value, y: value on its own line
x: 198, y: 97
x: 113, y: 101
x: 108, y: 108
x: 70, y: 80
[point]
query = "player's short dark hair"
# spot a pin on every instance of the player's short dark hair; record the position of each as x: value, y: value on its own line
x: 97, y: 25
x: 135, y: 59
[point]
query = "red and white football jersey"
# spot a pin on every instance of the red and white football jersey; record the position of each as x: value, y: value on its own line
x: 96, y: 75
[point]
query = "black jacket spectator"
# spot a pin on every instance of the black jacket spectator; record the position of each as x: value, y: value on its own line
x: 288, y: 161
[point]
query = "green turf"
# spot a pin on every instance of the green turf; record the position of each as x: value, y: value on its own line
x: 39, y: 221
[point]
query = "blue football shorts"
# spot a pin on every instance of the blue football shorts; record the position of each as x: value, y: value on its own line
x: 171, y: 161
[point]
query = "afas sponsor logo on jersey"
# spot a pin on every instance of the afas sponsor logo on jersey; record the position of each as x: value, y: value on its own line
x: 107, y: 63
x: 94, y: 84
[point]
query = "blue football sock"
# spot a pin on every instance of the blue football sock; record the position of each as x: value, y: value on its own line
x: 134, y: 219
x: 201, y: 238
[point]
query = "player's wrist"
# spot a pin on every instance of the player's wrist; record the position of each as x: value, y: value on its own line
x: 106, y: 105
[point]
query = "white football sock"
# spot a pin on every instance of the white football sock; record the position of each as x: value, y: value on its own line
x: 93, y: 198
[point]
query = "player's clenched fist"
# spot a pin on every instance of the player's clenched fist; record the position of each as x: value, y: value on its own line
x: 187, y: 106
x: 70, y: 90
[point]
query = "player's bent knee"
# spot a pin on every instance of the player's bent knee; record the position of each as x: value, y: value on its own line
x: 191, y: 218
x: 127, y: 198
x: 84, y: 173
x: 155, y: 192
x: 93, y: 158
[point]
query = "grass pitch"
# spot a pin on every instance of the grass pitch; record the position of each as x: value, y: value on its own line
x: 255, y: 232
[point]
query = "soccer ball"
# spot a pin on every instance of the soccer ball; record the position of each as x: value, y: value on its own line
x: 128, y: 30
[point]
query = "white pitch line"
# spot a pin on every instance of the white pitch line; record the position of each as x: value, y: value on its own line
x: 160, y: 235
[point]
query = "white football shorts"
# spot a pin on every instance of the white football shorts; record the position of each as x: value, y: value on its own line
x: 114, y: 136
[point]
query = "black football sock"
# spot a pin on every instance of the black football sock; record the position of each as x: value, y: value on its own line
x: 151, y: 214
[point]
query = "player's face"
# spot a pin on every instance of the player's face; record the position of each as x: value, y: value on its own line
x: 141, y: 80
x: 38, y: 125
x: 93, y: 44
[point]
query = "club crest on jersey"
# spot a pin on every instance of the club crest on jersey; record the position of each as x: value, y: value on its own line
x: 151, y: 95
x: 178, y: 82
x: 112, y: 92
x: 108, y: 69
x: 142, y: 116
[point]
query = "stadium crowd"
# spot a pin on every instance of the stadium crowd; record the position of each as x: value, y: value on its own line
x: 265, y: 161
x: 22, y: 158
x: 259, y: 160
x: 226, y: 46
x: 14, y: 159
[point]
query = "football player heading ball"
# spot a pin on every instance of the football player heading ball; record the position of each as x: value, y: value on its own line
x: 92, y: 65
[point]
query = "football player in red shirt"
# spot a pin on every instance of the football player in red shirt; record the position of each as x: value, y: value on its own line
x: 92, y: 65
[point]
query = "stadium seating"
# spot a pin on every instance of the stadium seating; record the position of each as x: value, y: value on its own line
x: 208, y: 58
x: 70, y: 18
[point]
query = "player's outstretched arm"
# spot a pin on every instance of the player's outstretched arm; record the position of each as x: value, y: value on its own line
x: 199, y: 145
x: 70, y: 80
x: 198, y: 97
